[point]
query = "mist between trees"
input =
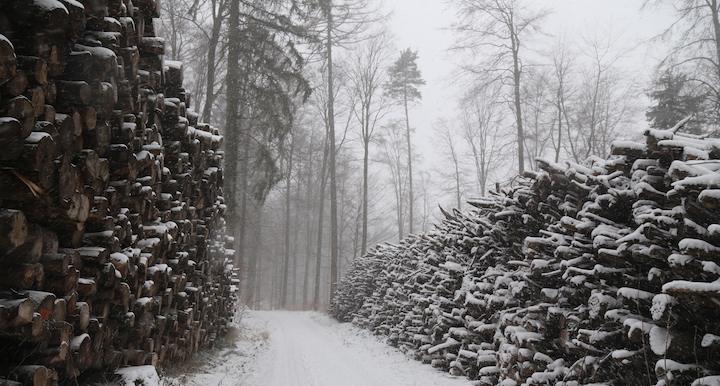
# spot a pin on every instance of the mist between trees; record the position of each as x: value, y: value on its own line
x: 317, y: 104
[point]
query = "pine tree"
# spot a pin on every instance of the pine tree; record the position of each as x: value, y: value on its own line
x: 405, y: 80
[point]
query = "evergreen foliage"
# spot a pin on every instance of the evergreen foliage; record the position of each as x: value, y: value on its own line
x: 405, y: 78
x: 673, y: 102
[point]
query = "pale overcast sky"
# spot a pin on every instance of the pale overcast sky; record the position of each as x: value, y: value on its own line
x: 418, y: 24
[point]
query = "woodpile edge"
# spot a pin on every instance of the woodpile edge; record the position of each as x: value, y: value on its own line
x: 112, y: 246
x: 603, y: 273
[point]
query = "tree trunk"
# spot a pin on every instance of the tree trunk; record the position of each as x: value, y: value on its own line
x: 515, y: 45
x: 410, y: 173
x: 559, y: 106
x: 210, y: 85
x: 232, y: 115
x: 457, y: 177
x: 286, y: 248
x: 332, y: 164
x: 243, y: 210
x: 366, y: 159
x: 716, y: 31
x: 294, y: 253
x: 254, y: 284
x: 321, y: 216
x: 309, y: 231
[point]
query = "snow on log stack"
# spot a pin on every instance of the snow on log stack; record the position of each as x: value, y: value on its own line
x: 111, y: 251
x: 601, y: 273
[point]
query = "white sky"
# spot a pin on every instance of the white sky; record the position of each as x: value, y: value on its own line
x: 418, y: 24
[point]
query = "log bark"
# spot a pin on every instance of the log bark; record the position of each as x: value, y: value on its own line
x: 151, y: 46
x: 38, y: 155
x: 55, y: 263
x: 11, y: 138
x: 29, y: 375
x: 16, y: 85
x: 50, y: 89
x: 36, y: 95
x: 77, y: 16
x: 19, y: 311
x: 103, y: 62
x: 27, y: 253
x: 23, y: 110
x: 20, y: 277
x: 35, y: 68
x: 91, y: 157
x: 8, y: 62
x: 13, y: 229
x: 62, y: 285
x: 73, y: 93
x: 70, y: 129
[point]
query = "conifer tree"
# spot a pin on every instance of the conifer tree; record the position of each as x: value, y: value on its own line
x: 673, y: 103
x: 403, y: 86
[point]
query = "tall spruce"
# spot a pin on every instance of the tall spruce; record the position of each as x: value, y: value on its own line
x: 264, y: 87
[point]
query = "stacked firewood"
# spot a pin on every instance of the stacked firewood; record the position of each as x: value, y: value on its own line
x: 600, y: 273
x: 111, y: 246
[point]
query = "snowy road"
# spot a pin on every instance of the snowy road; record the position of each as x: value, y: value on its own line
x: 310, y: 349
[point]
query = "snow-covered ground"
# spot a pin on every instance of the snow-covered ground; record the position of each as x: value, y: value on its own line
x: 283, y: 348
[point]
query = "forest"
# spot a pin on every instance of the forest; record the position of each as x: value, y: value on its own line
x: 327, y: 160
x: 163, y: 164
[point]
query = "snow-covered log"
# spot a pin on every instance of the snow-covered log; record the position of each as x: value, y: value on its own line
x: 112, y: 246
x: 602, y: 273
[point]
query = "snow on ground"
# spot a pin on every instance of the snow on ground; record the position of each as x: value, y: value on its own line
x: 284, y: 348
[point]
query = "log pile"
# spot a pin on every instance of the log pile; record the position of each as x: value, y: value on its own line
x: 600, y: 273
x: 111, y: 233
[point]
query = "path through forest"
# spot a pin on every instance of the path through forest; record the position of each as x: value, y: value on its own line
x: 283, y: 348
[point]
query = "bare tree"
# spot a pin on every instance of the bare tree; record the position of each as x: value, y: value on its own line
x: 562, y: 65
x: 344, y: 21
x: 446, y: 132
x: 366, y: 75
x: 217, y: 10
x: 496, y: 32
x: 428, y: 195
x: 393, y: 154
x: 606, y: 105
x: 174, y: 26
x: 195, y: 33
x: 538, y: 98
x: 481, y: 120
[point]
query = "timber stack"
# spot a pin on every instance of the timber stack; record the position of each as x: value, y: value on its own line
x: 606, y: 272
x: 111, y: 232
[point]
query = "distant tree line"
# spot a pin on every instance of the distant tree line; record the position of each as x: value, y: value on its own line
x: 317, y: 108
